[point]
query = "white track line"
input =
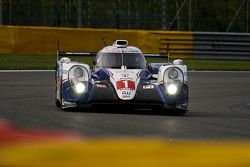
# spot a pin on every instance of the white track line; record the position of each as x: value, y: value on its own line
x: 218, y: 71
x: 16, y: 71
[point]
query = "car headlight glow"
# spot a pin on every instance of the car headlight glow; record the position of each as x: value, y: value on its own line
x: 172, y: 89
x: 80, y: 88
x: 79, y: 78
x: 173, y: 80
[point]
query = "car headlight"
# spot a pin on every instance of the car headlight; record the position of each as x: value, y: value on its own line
x: 80, y: 88
x: 78, y: 72
x: 173, y: 80
x: 78, y: 77
x: 173, y: 73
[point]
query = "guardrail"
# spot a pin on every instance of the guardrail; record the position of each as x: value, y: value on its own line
x: 177, y: 44
x: 210, y: 45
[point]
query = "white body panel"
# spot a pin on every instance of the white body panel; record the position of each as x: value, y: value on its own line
x: 125, y: 82
x: 63, y: 76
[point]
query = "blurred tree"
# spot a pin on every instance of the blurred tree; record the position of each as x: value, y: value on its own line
x: 192, y: 15
x: 1, y: 12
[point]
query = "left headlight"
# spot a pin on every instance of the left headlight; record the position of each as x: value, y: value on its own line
x: 173, y: 81
x: 78, y: 77
x: 173, y: 73
x: 78, y: 72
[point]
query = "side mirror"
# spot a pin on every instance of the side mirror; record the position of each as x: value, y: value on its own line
x: 94, y: 76
x: 153, y: 77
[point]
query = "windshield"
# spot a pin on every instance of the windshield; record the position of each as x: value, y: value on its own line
x: 116, y: 60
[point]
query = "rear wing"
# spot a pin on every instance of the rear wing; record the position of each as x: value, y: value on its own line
x: 156, y: 55
x: 69, y: 54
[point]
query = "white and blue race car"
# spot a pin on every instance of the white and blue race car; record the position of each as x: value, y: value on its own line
x: 121, y: 76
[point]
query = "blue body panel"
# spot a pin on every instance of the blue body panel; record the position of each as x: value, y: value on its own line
x: 95, y: 94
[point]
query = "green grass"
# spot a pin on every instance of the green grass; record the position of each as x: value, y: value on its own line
x: 213, y: 65
x: 27, y: 62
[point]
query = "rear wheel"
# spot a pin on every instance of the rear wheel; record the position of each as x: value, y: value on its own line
x: 58, y: 102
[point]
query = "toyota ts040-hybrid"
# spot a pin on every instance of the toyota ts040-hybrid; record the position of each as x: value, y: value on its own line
x: 121, y: 76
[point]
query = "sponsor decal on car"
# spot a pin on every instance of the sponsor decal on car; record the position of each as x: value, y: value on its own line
x: 120, y: 50
x: 148, y: 86
x: 126, y: 94
x: 101, y: 86
x: 125, y: 84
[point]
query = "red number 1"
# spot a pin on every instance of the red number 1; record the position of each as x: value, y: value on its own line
x: 125, y: 84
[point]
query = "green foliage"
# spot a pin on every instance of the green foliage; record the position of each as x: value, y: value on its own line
x: 196, y: 15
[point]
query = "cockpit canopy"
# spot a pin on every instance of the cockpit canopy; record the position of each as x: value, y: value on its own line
x: 132, y: 60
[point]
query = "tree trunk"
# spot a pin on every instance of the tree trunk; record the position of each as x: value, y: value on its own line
x: 164, y: 14
x: 136, y: 14
x: 190, y: 16
x: 70, y: 22
x: 1, y: 12
x: 79, y: 13
x: 177, y: 14
x: 10, y: 12
x: 247, y: 21
x: 129, y: 13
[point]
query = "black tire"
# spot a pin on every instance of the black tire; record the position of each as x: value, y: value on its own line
x: 180, y: 112
x: 58, y: 104
x: 57, y: 101
x: 174, y: 111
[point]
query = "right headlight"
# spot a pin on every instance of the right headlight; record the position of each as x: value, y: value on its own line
x: 78, y: 72
x: 173, y: 80
x: 78, y: 77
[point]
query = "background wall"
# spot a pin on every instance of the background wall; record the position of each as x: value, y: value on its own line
x: 43, y: 40
x: 180, y: 44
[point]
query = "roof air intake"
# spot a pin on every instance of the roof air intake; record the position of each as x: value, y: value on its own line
x: 120, y: 43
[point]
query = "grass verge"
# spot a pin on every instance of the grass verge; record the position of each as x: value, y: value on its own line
x: 27, y: 62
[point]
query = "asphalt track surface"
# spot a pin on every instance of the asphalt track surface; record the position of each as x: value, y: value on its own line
x: 219, y: 109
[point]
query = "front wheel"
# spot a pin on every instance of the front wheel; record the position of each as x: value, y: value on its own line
x: 174, y: 111
x: 58, y: 104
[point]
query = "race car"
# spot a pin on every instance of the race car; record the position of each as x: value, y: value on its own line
x: 120, y: 76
